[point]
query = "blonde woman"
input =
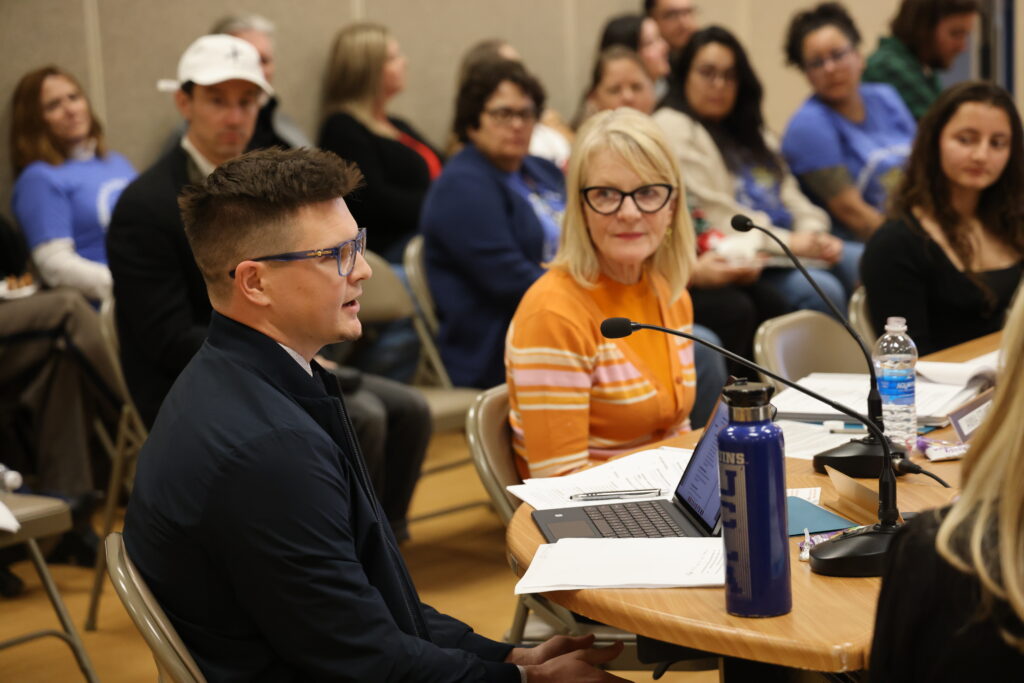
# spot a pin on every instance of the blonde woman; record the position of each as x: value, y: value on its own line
x: 626, y: 249
x: 952, y: 601
x: 366, y: 70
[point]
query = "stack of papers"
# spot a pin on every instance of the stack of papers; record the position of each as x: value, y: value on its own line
x: 8, y: 522
x: 575, y: 563
x: 978, y: 372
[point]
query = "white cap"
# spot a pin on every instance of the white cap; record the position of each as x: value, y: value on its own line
x: 217, y: 58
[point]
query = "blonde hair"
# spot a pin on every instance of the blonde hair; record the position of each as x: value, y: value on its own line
x: 355, y: 71
x: 983, y: 533
x: 638, y: 141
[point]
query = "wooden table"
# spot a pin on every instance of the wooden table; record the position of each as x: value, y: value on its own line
x: 830, y: 626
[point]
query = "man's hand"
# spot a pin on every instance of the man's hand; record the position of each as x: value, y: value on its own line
x: 816, y: 245
x: 554, y: 646
x: 577, y: 665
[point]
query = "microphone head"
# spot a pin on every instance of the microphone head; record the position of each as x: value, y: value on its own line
x: 615, y: 328
x: 741, y: 223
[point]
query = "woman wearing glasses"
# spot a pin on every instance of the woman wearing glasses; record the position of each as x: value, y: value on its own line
x: 490, y: 220
x: 731, y: 163
x: 849, y: 141
x: 366, y: 70
x: 626, y: 250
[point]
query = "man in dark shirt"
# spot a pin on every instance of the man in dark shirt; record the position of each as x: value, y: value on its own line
x: 253, y: 519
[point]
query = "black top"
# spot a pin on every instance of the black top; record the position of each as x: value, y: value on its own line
x: 907, y: 274
x: 396, y: 178
x: 927, y: 626
x: 264, y: 135
x: 254, y: 523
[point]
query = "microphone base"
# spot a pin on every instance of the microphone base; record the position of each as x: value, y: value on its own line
x: 858, y: 552
x: 860, y: 458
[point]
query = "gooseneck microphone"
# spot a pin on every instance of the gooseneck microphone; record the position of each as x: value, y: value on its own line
x: 859, y: 552
x: 858, y: 457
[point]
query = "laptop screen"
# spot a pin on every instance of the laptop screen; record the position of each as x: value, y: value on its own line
x: 699, y: 488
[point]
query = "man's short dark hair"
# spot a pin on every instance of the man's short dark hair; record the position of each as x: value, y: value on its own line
x: 480, y: 84
x: 915, y: 22
x: 242, y: 209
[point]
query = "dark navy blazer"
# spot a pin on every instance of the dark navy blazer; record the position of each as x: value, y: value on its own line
x: 255, y: 525
x: 483, y: 249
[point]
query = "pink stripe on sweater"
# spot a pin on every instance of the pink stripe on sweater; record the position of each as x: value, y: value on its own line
x: 550, y: 378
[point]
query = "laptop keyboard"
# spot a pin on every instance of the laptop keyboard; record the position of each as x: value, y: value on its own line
x: 645, y: 519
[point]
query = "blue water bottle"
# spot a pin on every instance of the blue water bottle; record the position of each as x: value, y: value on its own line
x: 753, y: 479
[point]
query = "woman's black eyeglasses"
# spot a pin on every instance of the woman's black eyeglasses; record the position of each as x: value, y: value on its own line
x: 608, y: 200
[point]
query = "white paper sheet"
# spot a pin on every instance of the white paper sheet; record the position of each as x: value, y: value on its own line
x: 657, y: 468
x: 804, y: 440
x: 959, y: 374
x: 8, y: 522
x: 811, y: 494
x: 574, y: 563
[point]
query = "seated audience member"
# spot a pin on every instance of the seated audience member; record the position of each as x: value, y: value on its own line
x: 732, y: 165
x: 927, y: 36
x: 950, y: 258
x: 366, y: 70
x: 848, y: 143
x: 163, y: 311
x: 640, y: 34
x: 253, y: 520
x: 67, y: 181
x: 551, y: 138
x: 951, y: 606
x: 676, y: 20
x: 273, y: 127
x: 490, y: 220
x: 627, y: 250
x: 619, y: 79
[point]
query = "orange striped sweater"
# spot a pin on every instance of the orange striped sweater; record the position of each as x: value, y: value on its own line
x: 577, y: 397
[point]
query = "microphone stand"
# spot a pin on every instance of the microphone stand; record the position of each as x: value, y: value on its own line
x: 857, y: 457
x: 858, y: 552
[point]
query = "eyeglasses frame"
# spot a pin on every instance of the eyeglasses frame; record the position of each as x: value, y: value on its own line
x: 359, y: 240
x: 631, y: 195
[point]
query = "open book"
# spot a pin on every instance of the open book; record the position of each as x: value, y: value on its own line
x: 977, y: 374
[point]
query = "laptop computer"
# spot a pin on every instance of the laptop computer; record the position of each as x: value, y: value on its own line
x: 694, y: 510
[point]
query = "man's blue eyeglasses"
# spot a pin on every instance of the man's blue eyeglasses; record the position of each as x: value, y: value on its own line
x: 345, y: 254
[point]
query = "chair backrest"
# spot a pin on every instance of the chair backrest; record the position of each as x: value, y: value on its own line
x: 860, y: 316
x: 416, y: 271
x: 490, y: 443
x: 172, y: 657
x: 796, y: 344
x: 385, y: 297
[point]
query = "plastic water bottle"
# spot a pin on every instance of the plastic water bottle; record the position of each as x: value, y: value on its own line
x: 752, y: 474
x: 895, y: 356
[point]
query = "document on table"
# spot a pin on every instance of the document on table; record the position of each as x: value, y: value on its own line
x: 575, y: 563
x: 8, y: 522
x: 804, y: 440
x: 657, y: 468
x: 980, y: 371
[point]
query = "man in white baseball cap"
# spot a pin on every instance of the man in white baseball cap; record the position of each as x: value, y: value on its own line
x: 162, y: 307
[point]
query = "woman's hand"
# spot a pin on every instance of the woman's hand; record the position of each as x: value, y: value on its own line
x: 816, y: 245
x: 712, y: 271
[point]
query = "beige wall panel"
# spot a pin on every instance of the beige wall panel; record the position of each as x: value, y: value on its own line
x: 142, y: 42
x: 35, y: 33
x: 435, y: 33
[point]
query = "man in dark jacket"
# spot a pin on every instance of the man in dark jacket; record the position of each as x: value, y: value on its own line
x: 162, y: 307
x: 253, y: 519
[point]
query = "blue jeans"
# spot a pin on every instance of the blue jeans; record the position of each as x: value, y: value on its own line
x: 838, y: 282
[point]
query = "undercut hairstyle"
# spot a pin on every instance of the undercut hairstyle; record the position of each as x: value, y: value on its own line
x: 809, y: 21
x: 356, y: 67
x: 915, y: 22
x: 983, y: 533
x: 243, y: 210
x: 740, y: 135
x: 239, y: 23
x: 31, y: 138
x: 622, y: 30
x: 924, y: 186
x: 640, y: 144
x: 480, y: 84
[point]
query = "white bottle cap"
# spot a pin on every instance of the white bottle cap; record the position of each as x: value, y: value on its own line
x: 12, y: 480
x: 896, y: 324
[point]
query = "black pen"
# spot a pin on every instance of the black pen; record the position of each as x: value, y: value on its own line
x: 608, y: 495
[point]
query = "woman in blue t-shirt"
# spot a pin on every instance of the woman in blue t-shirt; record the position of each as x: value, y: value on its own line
x: 67, y: 182
x: 849, y: 141
x: 712, y: 118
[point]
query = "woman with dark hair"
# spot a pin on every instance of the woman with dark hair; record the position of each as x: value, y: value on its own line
x: 732, y: 166
x: 490, y: 220
x: 849, y: 141
x: 366, y: 70
x: 618, y: 80
x: 67, y: 181
x: 952, y: 254
x: 640, y: 34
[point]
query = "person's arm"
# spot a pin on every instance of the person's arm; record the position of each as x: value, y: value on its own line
x: 60, y: 265
x: 151, y: 284
x: 896, y: 275
x: 549, y: 363
x: 469, y: 219
x: 283, y: 533
x: 846, y: 204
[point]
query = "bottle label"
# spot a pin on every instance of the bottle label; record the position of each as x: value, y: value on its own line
x: 733, y: 472
x: 896, y: 388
